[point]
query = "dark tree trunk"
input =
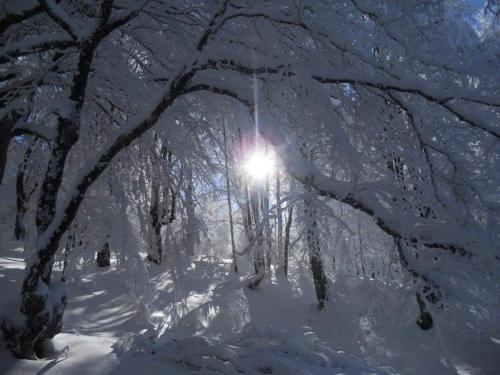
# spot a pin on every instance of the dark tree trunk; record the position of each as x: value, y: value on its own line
x: 159, y: 213
x: 312, y: 237
x: 431, y: 291
x: 313, y: 244
x: 104, y: 256
x: 20, y: 230
x: 6, y: 125
x: 40, y: 323
x: 22, y: 197
x: 247, y: 214
x: 265, y: 218
x: 279, y: 221
x: 155, y: 246
x: 190, y: 213
x: 425, y: 320
x: 432, y: 294
x: 286, y: 244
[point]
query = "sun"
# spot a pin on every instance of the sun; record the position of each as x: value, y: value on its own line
x: 259, y: 164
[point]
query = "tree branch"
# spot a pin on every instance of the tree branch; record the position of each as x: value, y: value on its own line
x: 61, y: 17
x: 13, y: 18
x: 356, y: 197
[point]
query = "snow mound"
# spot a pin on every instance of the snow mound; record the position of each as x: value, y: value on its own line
x: 253, y: 350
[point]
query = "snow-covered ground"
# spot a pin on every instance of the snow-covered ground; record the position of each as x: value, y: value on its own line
x: 208, y: 321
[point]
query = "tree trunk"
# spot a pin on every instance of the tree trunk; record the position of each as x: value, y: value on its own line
x: 190, y: 213
x: 267, y: 225
x: 104, y: 256
x: 21, y: 196
x: 259, y: 262
x: 40, y: 323
x: 425, y: 320
x: 360, y: 245
x: 279, y: 225
x: 43, y: 321
x: 6, y: 125
x: 431, y: 292
x: 286, y: 246
x: 155, y: 249
x: 247, y: 214
x: 312, y: 237
x: 230, y: 208
x: 313, y: 244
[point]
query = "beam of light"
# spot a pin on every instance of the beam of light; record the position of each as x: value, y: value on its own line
x: 256, y: 109
x: 260, y: 163
x: 255, y: 99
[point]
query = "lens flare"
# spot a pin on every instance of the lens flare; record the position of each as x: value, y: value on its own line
x: 259, y: 165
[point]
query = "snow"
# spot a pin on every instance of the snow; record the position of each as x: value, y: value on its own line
x: 32, y: 42
x: 253, y: 350
x: 208, y: 321
x: 93, y: 322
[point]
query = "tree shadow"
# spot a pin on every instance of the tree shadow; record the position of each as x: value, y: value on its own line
x: 61, y: 355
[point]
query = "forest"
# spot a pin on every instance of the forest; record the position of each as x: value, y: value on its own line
x: 250, y: 187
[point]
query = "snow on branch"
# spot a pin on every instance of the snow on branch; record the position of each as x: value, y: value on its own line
x: 386, y: 78
x: 440, y: 94
x: 19, y: 12
x: 365, y: 197
x: 64, y: 215
x: 212, y: 26
x: 445, y: 98
x: 30, y: 45
x: 118, y: 22
x: 28, y: 128
x: 74, y: 27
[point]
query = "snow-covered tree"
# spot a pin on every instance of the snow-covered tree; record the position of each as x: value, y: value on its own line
x: 401, y: 99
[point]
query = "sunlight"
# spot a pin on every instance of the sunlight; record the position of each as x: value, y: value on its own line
x: 259, y: 165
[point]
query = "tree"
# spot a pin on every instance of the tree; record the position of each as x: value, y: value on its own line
x: 161, y: 209
x: 325, y: 68
x: 313, y: 237
x: 229, y: 204
x: 286, y: 246
x: 23, y: 191
x: 279, y: 220
x: 42, y: 324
